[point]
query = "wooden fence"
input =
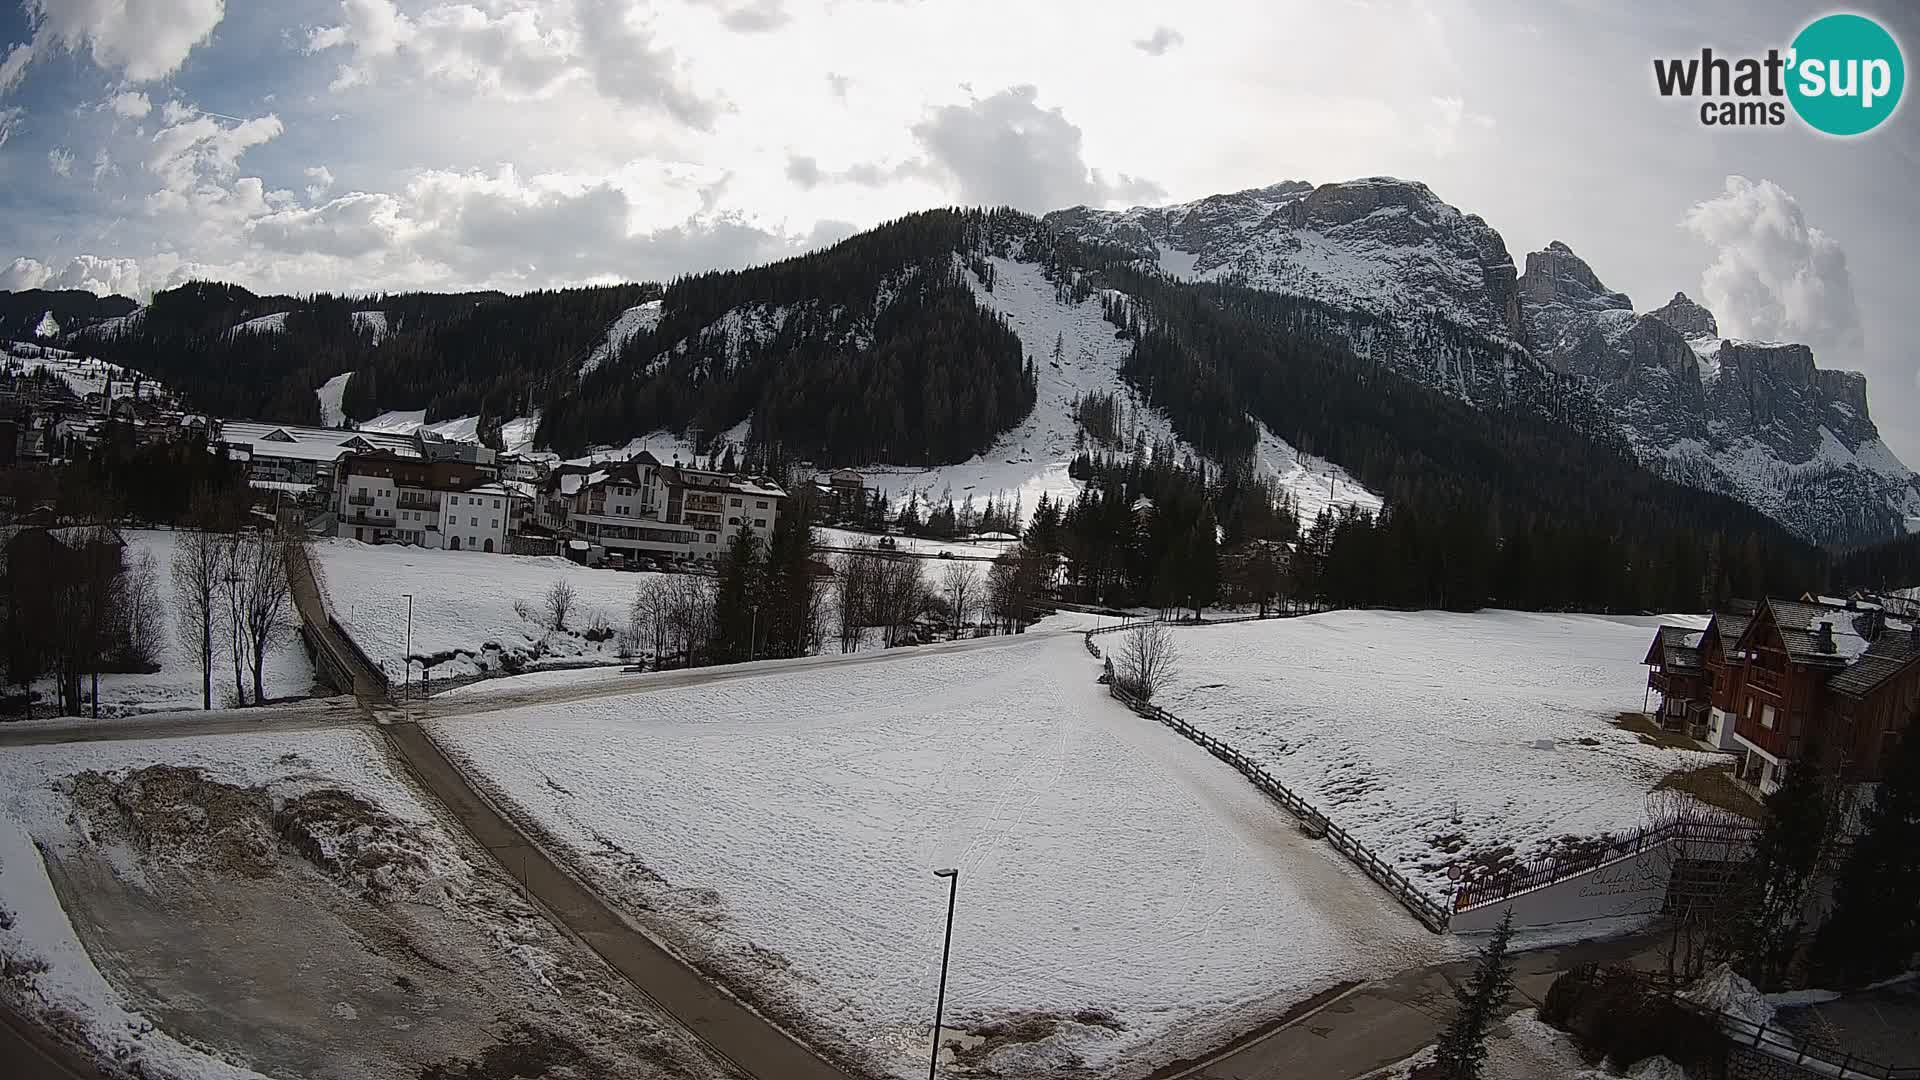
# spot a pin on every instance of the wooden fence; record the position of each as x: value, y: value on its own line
x: 1433, y: 915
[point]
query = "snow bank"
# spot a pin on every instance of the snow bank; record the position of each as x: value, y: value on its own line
x: 31, y: 812
x: 1418, y: 732
x: 783, y: 829
x: 1723, y: 989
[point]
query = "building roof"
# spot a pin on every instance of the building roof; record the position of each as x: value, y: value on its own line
x: 1799, y: 625
x: 310, y: 443
x: 1730, y: 625
x: 1677, y: 648
x: 1892, y: 653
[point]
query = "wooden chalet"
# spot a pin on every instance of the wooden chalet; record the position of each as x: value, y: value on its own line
x: 1776, y: 681
x: 1677, y: 673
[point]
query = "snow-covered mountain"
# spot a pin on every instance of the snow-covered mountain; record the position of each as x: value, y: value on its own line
x: 1755, y: 420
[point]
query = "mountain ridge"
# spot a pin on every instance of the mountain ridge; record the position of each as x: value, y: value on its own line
x: 1399, y: 276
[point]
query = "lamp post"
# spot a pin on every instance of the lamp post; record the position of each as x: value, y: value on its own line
x: 940, y: 1003
x: 406, y: 676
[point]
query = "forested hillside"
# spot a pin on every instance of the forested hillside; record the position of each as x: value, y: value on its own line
x: 872, y: 350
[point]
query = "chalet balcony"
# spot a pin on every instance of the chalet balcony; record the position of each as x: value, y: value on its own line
x: 1767, y: 682
x: 1773, y: 740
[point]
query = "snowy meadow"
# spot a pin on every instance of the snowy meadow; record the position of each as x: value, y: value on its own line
x: 1432, y: 736
x: 1134, y: 897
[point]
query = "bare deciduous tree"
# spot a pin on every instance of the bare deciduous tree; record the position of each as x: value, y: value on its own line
x: 196, y: 602
x: 142, y: 615
x: 1145, y: 661
x: 852, y: 583
x: 690, y: 615
x: 897, y: 596
x: 959, y: 584
x: 560, y: 601
x: 266, y: 601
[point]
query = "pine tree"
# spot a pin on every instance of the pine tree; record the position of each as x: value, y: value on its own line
x: 1462, y: 1050
x: 1875, y: 925
x: 1764, y: 934
x: 735, y: 606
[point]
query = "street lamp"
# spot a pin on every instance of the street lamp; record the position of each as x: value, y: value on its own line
x: 406, y: 658
x: 940, y: 1003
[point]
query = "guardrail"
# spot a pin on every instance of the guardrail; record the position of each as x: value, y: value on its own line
x: 1780, y: 1044
x: 1547, y: 871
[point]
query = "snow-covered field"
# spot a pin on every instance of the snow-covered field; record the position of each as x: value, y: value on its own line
x: 227, y: 907
x: 177, y: 684
x: 1420, y: 733
x: 464, y: 622
x: 782, y: 831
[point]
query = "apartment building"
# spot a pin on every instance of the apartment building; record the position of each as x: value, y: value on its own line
x: 456, y: 504
x: 641, y: 509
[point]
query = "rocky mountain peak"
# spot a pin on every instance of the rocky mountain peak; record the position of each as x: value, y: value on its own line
x: 1557, y: 276
x: 1689, y: 318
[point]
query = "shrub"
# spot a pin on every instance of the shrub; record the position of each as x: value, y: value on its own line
x: 1617, y: 1015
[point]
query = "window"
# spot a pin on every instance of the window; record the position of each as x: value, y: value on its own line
x: 1766, y: 716
x: 471, y: 541
x: 496, y: 502
x: 474, y: 521
x: 733, y: 521
x: 712, y: 538
x: 760, y: 505
x: 759, y: 523
x: 496, y: 523
x: 735, y: 502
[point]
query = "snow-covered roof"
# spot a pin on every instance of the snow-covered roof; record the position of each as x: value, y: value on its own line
x: 299, y: 443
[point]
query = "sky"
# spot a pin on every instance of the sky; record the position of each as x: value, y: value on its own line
x: 369, y: 145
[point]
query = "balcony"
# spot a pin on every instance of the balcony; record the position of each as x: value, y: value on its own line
x: 417, y: 502
x: 1766, y: 681
x: 360, y: 500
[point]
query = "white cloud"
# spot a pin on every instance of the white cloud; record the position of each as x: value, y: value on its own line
x: 1446, y: 120
x: 131, y: 104
x: 1163, y: 40
x: 60, y: 160
x: 1007, y: 150
x: 751, y: 16
x: 197, y: 157
x: 23, y: 273
x: 319, y: 181
x: 90, y: 272
x: 10, y: 118
x: 1774, y: 276
x: 521, y: 50
x: 15, y: 65
x: 141, y: 40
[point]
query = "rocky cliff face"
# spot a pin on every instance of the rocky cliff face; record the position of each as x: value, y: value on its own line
x: 1386, y: 246
x: 1759, y: 421
x: 1755, y: 420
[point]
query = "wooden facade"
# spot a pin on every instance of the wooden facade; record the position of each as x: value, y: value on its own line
x: 1776, y: 681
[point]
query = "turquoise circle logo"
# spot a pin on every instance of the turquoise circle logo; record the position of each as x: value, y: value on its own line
x: 1847, y: 74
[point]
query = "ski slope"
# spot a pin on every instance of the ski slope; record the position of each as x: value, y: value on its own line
x: 1032, y: 459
